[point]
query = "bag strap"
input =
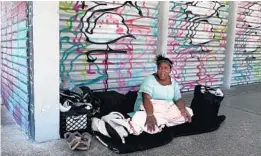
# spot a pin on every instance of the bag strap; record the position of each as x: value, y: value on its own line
x: 207, y: 89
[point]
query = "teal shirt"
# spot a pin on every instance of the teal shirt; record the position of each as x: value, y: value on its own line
x: 157, y: 91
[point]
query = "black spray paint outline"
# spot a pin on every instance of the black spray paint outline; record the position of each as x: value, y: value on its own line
x: 195, y: 22
x: 108, y: 49
x: 105, y: 11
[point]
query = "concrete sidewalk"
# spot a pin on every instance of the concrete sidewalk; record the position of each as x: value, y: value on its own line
x: 240, y: 135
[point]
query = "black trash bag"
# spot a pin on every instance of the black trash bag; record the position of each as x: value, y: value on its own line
x: 110, y: 101
x: 205, y: 106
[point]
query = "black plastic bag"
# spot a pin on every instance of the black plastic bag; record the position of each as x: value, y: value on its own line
x: 205, y: 105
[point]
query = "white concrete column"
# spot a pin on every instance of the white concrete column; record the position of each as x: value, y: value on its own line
x: 163, y: 17
x: 46, y: 69
x: 1, y: 53
x: 230, y: 44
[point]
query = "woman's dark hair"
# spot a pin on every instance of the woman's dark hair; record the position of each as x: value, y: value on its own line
x: 159, y: 59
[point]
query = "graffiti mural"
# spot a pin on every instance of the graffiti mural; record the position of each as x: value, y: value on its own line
x: 196, y: 42
x: 16, y: 82
x: 107, y: 45
x: 247, y: 56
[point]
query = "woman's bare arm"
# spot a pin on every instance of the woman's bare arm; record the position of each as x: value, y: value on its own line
x: 147, y: 103
x: 182, y: 107
x: 151, y: 121
x: 180, y: 104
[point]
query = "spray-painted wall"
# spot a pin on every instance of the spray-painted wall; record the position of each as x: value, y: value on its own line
x: 16, y: 78
x: 108, y: 45
x: 196, y: 42
x: 247, y: 55
x: 112, y: 44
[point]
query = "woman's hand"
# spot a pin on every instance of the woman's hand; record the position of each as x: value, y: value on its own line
x: 151, y: 122
x: 182, y: 107
x: 186, y: 115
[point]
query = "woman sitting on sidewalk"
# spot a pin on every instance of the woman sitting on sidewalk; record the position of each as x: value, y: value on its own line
x: 159, y: 101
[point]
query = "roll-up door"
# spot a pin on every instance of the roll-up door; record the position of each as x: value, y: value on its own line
x: 197, y: 41
x: 247, y: 55
x: 16, y: 62
x: 108, y: 45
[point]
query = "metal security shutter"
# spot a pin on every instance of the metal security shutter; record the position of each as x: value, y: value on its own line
x: 196, y: 42
x: 247, y: 55
x: 121, y: 35
x: 16, y: 62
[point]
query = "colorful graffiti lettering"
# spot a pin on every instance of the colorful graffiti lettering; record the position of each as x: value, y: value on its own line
x: 196, y: 43
x: 107, y: 45
x: 247, y: 56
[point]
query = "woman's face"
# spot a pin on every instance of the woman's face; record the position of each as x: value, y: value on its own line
x: 163, y: 71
